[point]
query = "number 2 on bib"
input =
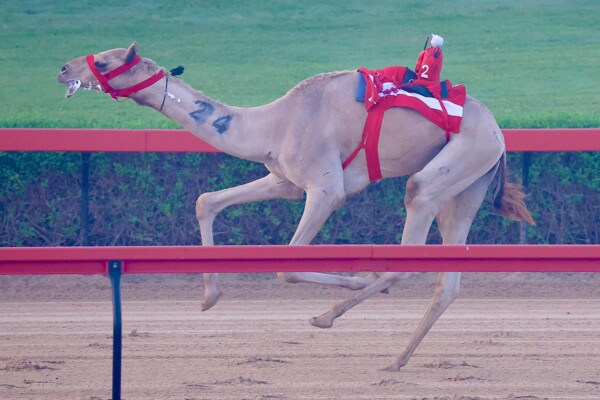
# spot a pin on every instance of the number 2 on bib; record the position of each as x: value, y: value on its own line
x: 425, y: 69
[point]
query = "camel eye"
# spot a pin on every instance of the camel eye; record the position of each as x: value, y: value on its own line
x: 100, y: 65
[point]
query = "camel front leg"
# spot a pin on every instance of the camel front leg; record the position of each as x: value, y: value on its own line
x: 210, y: 204
x: 320, y: 203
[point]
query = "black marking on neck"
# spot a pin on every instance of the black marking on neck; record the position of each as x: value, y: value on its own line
x: 201, y: 114
x: 221, y: 124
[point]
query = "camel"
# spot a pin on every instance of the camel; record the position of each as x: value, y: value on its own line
x: 302, y: 139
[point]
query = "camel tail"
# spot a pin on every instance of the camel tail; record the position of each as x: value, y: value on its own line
x: 509, y: 198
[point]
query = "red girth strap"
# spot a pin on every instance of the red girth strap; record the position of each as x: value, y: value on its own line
x: 370, y: 141
x: 126, y: 92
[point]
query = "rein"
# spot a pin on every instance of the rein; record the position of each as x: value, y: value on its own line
x: 126, y: 92
x: 165, y: 95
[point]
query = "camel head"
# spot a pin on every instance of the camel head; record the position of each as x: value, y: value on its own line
x: 79, y: 72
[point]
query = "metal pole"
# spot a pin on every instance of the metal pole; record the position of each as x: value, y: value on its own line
x: 115, y: 271
x: 85, y: 199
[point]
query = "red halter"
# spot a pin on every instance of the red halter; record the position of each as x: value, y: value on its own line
x: 115, y: 93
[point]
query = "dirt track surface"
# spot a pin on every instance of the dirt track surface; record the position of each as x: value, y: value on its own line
x: 510, y: 336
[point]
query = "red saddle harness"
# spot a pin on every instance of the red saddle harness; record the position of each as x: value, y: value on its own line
x: 384, y: 90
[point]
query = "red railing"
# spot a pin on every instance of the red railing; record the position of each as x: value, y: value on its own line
x: 172, y: 140
x: 324, y: 258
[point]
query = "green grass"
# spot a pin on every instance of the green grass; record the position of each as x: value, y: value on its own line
x: 534, y: 63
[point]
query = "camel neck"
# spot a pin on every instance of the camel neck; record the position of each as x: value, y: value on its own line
x: 233, y: 130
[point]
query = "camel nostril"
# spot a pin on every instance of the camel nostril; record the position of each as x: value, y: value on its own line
x: 64, y: 69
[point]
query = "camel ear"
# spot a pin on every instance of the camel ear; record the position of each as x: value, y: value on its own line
x: 131, y: 53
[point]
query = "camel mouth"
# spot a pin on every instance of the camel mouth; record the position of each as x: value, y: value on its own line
x: 72, y: 87
x: 75, y: 84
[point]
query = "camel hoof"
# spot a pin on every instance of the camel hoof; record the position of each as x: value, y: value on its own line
x: 391, y: 368
x: 314, y: 321
x: 211, y: 300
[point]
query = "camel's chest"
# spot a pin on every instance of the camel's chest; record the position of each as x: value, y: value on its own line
x: 278, y: 169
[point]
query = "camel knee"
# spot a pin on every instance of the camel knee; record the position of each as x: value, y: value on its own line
x: 419, y: 197
x: 415, y: 194
x: 204, y: 209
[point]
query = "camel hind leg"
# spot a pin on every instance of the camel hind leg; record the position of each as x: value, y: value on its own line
x: 452, y: 185
x: 454, y: 222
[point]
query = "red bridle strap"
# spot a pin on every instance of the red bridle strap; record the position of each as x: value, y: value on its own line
x: 126, y: 92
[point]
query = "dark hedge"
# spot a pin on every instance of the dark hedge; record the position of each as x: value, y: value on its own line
x: 149, y: 199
